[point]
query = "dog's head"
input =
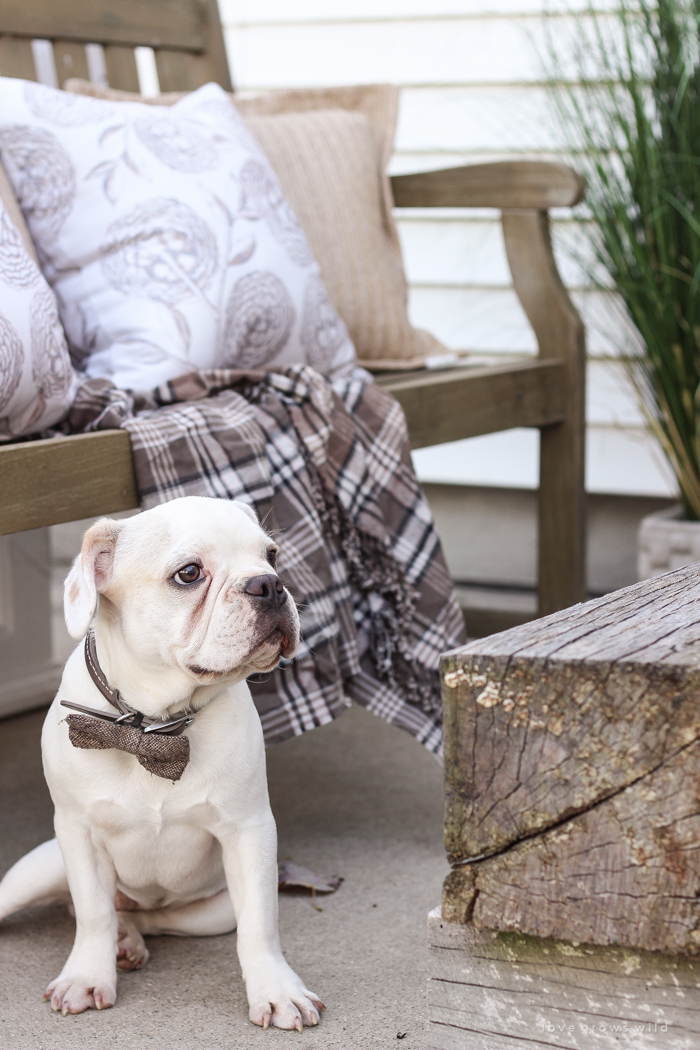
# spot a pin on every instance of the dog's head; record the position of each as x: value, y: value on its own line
x: 190, y: 584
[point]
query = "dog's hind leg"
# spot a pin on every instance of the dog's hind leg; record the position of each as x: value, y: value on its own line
x: 204, y: 918
x: 38, y: 878
x: 132, y: 953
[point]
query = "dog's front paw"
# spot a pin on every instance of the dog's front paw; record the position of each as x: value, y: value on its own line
x: 72, y: 995
x: 281, y: 1000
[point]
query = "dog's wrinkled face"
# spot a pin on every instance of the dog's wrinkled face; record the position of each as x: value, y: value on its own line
x: 193, y: 584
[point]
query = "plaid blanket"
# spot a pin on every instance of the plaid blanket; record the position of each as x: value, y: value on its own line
x: 328, y: 470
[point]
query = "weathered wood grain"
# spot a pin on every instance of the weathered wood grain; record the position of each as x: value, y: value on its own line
x: 504, y: 184
x: 488, y: 991
x: 150, y: 23
x: 64, y: 479
x: 626, y: 872
x: 572, y: 756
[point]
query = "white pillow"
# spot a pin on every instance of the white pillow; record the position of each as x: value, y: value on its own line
x: 166, y: 237
x: 37, y: 381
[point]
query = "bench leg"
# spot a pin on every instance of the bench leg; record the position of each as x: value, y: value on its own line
x: 562, y: 517
x: 560, y: 337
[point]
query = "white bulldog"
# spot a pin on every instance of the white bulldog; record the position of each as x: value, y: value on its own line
x: 185, y: 603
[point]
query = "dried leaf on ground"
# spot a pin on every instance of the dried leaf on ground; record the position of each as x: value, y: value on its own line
x: 293, y: 876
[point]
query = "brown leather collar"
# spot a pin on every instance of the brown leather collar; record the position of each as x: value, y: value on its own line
x: 128, y: 716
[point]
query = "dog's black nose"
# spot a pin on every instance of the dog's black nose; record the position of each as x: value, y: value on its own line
x: 270, y: 588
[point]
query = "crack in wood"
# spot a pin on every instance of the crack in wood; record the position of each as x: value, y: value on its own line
x: 456, y: 862
x: 573, y: 770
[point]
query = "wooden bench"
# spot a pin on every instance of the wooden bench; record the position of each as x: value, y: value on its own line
x: 572, y: 760
x: 46, y: 482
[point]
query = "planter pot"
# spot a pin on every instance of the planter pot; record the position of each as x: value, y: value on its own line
x: 666, y: 541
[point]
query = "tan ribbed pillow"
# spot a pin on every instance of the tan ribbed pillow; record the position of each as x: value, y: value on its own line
x: 330, y: 148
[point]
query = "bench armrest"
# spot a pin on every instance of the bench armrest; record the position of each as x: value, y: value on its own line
x: 524, y: 191
x: 505, y: 184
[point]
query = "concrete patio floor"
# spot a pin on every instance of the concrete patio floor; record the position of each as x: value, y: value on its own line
x: 356, y: 798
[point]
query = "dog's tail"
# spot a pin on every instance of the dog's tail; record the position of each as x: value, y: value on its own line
x: 38, y: 878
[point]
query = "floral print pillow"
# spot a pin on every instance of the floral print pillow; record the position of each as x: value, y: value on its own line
x: 165, y: 236
x: 37, y: 381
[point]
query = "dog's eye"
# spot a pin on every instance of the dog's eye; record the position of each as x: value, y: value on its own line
x: 190, y: 574
x: 272, y: 557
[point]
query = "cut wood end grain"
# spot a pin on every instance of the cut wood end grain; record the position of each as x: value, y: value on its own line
x: 572, y: 765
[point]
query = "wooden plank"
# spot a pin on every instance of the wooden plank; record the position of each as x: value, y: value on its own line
x: 121, y: 68
x: 176, y: 24
x: 513, y: 992
x: 64, y: 479
x: 87, y: 475
x: 186, y: 72
x: 448, y: 1034
x: 458, y: 403
x: 212, y: 63
x: 572, y: 764
x: 16, y: 58
x: 478, y: 968
x: 174, y: 71
x: 504, y: 184
x: 71, y: 61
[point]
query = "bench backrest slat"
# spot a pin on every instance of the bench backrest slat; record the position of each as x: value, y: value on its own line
x: 185, y: 35
x: 148, y: 23
x: 16, y: 58
x: 71, y: 60
x: 121, y: 68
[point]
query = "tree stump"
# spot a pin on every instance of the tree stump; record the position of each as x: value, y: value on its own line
x: 573, y: 773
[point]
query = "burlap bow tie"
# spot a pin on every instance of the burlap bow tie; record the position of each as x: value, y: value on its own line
x: 157, y: 745
x: 166, y: 756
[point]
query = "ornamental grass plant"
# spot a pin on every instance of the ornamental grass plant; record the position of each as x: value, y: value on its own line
x: 631, y: 115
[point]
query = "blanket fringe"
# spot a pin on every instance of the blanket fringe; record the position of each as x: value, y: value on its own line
x: 374, y: 571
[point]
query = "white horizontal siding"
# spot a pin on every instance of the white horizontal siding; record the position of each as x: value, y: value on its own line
x: 472, y: 91
x: 510, y: 460
x: 255, y: 12
x: 447, y: 51
x: 491, y: 320
x: 463, y: 250
x: 473, y: 120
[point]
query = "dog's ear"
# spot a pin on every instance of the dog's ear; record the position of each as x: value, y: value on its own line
x: 247, y: 509
x: 91, y: 573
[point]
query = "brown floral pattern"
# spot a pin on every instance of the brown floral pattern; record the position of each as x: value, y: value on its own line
x: 259, y: 319
x: 178, y: 143
x: 11, y: 362
x: 42, y: 174
x: 16, y: 265
x: 51, y: 367
x: 160, y: 250
x: 263, y: 196
x: 323, y: 331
